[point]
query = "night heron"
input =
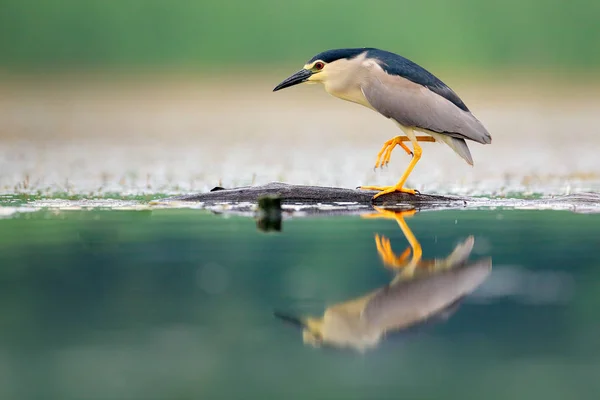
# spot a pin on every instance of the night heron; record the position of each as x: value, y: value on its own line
x: 412, y: 297
x: 402, y: 91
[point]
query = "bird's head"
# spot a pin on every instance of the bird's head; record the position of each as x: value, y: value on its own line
x: 326, y: 66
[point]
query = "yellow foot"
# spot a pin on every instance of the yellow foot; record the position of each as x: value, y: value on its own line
x: 388, y: 189
x: 384, y: 155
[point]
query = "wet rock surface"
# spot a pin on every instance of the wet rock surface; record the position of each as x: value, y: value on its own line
x: 318, y: 197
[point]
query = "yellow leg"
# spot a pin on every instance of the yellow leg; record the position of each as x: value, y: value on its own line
x: 399, y: 187
x: 383, y: 158
x: 386, y: 150
x: 384, y: 155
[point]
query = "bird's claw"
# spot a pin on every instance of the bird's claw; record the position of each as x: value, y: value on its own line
x: 384, y: 155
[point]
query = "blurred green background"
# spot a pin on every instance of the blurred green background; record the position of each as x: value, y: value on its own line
x: 201, y: 34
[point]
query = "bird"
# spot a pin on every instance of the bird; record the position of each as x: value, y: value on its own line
x: 400, y: 90
x: 361, y: 323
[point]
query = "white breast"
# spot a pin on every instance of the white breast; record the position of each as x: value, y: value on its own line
x: 354, y: 95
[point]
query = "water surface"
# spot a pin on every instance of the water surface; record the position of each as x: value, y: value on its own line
x: 179, y: 304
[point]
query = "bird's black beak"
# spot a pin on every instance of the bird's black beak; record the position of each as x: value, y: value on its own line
x: 298, y: 77
x: 291, y: 320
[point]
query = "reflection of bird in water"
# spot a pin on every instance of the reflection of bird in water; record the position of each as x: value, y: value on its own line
x: 410, y: 266
x: 384, y: 247
x: 420, y: 290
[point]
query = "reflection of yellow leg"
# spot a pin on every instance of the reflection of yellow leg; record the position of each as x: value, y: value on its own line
x: 386, y: 151
x: 415, y: 246
x: 389, y: 258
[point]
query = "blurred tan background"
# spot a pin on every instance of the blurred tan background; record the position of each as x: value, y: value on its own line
x: 168, y: 97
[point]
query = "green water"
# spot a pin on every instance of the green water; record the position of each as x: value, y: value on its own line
x: 178, y: 304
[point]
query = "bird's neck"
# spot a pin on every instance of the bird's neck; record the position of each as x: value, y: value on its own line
x: 353, y: 94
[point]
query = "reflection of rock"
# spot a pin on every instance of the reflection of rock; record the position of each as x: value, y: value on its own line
x: 268, y: 216
x: 408, y: 300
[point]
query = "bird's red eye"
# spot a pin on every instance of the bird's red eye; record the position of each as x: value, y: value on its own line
x: 319, y: 65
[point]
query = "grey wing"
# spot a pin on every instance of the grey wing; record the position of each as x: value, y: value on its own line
x: 413, y: 105
x: 409, y: 302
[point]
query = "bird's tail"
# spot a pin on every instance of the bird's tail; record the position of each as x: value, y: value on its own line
x: 459, y: 146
